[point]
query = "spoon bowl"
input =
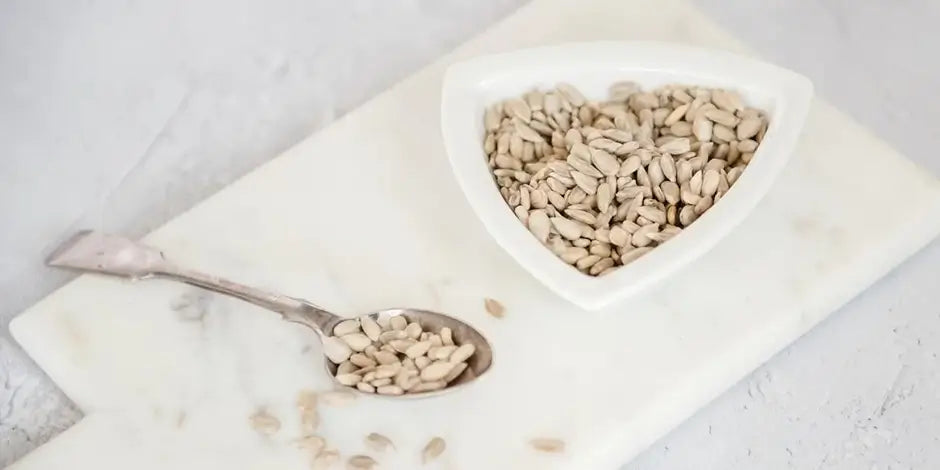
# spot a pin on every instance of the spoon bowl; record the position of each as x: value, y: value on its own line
x: 463, y: 333
x: 119, y: 256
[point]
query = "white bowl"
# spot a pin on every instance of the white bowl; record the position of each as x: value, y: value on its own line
x: 471, y: 86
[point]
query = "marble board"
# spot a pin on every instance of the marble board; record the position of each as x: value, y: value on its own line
x: 365, y: 214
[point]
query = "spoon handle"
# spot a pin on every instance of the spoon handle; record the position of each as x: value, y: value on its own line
x: 119, y: 256
x: 291, y: 309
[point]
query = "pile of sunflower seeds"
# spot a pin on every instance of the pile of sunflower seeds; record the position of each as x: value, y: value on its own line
x: 323, y: 456
x: 392, y: 356
x: 603, y: 183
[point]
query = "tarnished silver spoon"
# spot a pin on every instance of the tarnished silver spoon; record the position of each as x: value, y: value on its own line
x: 119, y: 256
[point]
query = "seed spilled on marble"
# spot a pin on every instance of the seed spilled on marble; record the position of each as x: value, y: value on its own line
x: 392, y: 356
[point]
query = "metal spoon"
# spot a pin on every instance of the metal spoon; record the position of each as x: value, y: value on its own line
x: 119, y: 256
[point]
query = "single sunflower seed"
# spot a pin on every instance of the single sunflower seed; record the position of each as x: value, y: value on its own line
x: 494, y: 308
x: 264, y: 423
x: 378, y: 442
x: 360, y: 462
x: 546, y: 444
x: 325, y: 459
x: 433, y: 449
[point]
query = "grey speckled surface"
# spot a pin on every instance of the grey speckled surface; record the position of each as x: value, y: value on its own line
x: 136, y: 111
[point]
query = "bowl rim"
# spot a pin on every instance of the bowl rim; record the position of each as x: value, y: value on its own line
x: 467, y: 81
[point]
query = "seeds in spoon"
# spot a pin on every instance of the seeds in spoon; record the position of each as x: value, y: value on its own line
x: 441, y: 353
x: 361, y: 360
x: 413, y: 330
x: 418, y: 349
x: 370, y: 327
x: 346, y: 327
x: 428, y: 386
x: 404, y: 359
x: 385, y: 357
x: 346, y: 368
x: 398, y: 322
x: 455, y: 372
x: 447, y: 336
x: 436, y: 371
x: 462, y: 353
x: 336, y: 349
x: 387, y: 370
x: 406, y: 378
x: 357, y: 341
x: 389, y: 390
x: 388, y: 336
x: 401, y: 345
x: 348, y: 379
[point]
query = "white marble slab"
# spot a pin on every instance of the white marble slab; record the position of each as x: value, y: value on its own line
x: 125, y: 357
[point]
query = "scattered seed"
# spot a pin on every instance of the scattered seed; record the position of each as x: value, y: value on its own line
x: 325, y: 459
x: 306, y: 400
x: 360, y: 462
x: 312, y: 444
x: 307, y: 406
x: 262, y: 422
x: 545, y: 444
x: 434, y: 448
x: 378, y: 442
x: 494, y: 308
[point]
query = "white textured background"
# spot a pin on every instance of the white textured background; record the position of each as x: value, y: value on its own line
x: 121, y: 114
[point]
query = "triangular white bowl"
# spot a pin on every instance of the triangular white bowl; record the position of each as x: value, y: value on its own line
x: 470, y: 86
